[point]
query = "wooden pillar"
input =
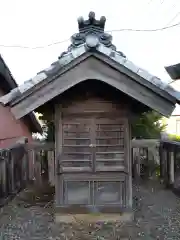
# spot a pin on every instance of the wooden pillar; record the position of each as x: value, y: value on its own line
x: 10, y: 155
x: 161, y: 160
x: 58, y: 151
x: 31, y: 164
x: 166, y: 165
x: 3, y: 174
x: 25, y: 168
x: 172, y: 167
x: 136, y: 164
x: 1, y: 179
x: 51, y: 167
x: 38, y: 168
x: 129, y: 158
x: 168, y: 160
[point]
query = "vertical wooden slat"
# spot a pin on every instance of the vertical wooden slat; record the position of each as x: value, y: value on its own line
x: 37, y: 169
x: 25, y: 168
x: 136, y: 165
x: 129, y: 159
x: 161, y: 160
x: 4, y: 177
x: 93, y: 142
x: 165, y: 165
x: 33, y: 166
x: 58, y: 153
x: 172, y: 167
x: 51, y: 167
x: 1, y: 179
x: 168, y: 166
x: 12, y: 171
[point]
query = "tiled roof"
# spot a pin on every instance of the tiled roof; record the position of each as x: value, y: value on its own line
x: 174, y: 71
x: 91, y: 37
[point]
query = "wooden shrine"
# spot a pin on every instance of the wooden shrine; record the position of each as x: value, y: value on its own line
x: 92, y: 93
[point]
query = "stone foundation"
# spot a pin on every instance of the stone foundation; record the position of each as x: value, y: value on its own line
x: 93, y: 217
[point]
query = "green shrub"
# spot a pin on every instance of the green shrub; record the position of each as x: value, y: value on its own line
x: 174, y: 137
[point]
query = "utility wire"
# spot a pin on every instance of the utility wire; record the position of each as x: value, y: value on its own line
x: 177, y: 14
x: 38, y: 47
x: 146, y: 30
x: 114, y: 30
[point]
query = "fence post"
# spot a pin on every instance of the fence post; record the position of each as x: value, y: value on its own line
x: 25, y: 167
x: 1, y: 180
x: 51, y: 167
x: 38, y: 168
x: 161, y: 161
x: 4, y: 177
x: 136, y: 166
x: 172, y: 167
x: 11, y: 158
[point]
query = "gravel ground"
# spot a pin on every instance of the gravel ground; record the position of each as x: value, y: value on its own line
x: 157, y: 216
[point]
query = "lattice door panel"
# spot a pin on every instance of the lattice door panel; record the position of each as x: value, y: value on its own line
x: 77, y: 192
x: 94, y: 192
x: 109, y: 192
x: 110, y: 145
x: 76, y: 151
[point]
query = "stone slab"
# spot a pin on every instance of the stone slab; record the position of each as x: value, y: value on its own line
x: 93, y: 218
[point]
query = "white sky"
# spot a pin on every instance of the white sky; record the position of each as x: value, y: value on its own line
x: 41, y: 22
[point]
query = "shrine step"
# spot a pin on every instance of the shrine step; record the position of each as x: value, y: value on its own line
x: 93, y: 217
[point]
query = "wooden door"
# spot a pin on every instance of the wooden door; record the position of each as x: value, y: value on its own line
x: 93, y: 161
x: 77, y: 154
x: 110, y: 144
x: 93, y: 144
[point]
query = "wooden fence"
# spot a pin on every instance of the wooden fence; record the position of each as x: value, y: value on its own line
x: 36, y: 161
x: 145, y: 158
x: 148, y: 159
x: 165, y: 155
x: 42, y: 162
x: 14, y: 171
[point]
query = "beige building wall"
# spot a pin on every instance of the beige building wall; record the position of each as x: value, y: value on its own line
x: 173, y: 123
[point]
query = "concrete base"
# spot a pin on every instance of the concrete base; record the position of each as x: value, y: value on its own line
x: 93, y: 217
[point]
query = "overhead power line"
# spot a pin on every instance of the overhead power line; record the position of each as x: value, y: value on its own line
x: 37, y: 47
x: 114, y: 30
x: 146, y: 30
x: 177, y: 14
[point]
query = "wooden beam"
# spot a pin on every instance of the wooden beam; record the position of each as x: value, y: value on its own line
x: 139, y: 143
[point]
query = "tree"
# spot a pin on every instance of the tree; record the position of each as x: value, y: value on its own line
x: 49, y: 130
x: 148, y: 125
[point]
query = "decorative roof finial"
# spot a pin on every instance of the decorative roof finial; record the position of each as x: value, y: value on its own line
x: 91, y: 33
x: 91, y: 23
